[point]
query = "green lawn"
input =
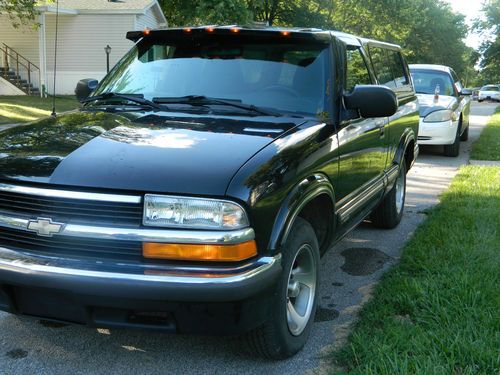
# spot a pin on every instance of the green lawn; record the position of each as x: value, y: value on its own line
x: 487, y: 147
x: 16, y: 109
x: 438, y: 311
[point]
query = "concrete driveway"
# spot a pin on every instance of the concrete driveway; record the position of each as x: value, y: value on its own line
x: 349, y: 272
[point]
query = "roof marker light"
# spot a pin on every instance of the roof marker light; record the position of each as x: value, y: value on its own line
x: 187, y: 29
x: 235, y: 30
x: 209, y: 29
x: 146, y: 31
x: 285, y: 33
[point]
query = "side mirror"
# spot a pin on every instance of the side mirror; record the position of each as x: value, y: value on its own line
x: 84, y: 87
x: 372, y: 101
x: 466, y: 92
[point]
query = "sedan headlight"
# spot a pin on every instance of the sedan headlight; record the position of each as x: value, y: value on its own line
x: 196, y: 213
x: 440, y: 116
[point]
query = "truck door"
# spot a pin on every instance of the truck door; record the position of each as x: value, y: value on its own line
x: 362, y: 147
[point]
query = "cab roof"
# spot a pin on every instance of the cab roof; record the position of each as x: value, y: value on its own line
x: 441, y: 68
x: 290, y: 32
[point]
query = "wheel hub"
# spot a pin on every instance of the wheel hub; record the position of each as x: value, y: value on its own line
x: 400, y: 191
x: 301, y: 290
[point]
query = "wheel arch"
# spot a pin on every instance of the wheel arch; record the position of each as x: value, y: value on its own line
x: 312, y: 199
x: 406, y: 150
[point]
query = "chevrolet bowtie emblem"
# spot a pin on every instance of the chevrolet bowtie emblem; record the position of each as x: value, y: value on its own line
x: 44, y: 227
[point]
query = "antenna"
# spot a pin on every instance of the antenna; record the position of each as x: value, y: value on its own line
x: 55, y: 63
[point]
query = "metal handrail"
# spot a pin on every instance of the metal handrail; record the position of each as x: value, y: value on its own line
x: 18, y: 60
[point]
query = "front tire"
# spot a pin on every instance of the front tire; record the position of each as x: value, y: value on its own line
x: 390, y: 212
x: 454, y: 149
x: 295, y: 299
x: 465, y: 135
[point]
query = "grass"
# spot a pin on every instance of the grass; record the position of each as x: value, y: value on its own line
x: 438, y: 311
x: 487, y: 147
x: 17, y: 109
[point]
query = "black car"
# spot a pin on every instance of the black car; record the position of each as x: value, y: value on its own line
x: 202, y: 179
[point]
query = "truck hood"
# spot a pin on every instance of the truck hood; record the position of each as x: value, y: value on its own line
x: 428, y: 104
x: 147, y: 152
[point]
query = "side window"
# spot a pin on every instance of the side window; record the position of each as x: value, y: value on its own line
x: 389, y: 67
x: 456, y: 81
x: 382, y: 66
x: 398, y: 69
x: 357, y: 71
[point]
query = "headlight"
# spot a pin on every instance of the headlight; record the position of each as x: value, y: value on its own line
x: 440, y: 116
x: 196, y: 213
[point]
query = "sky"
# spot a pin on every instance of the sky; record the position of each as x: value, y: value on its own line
x: 471, y: 9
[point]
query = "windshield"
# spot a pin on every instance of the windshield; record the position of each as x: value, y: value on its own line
x: 490, y: 88
x: 426, y: 81
x: 287, y: 77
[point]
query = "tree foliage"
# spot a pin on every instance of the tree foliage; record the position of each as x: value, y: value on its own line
x: 206, y: 12
x: 19, y: 11
x: 490, y: 49
x: 428, y: 30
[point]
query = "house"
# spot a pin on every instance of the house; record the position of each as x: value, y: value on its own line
x: 85, y: 29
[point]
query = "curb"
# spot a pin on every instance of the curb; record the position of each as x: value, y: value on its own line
x: 485, y: 163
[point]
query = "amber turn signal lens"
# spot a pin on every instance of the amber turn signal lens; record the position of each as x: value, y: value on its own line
x: 210, y: 253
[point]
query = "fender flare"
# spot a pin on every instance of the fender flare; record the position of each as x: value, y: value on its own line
x: 301, y: 194
x: 405, y: 140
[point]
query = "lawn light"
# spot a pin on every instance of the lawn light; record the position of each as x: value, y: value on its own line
x: 107, y: 49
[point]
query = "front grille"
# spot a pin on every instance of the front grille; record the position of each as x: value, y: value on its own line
x: 71, y: 247
x: 75, y: 211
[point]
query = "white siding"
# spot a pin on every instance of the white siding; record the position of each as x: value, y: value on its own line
x: 81, y: 42
x: 24, y: 40
x: 148, y: 20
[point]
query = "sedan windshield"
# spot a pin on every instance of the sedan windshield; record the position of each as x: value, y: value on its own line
x: 431, y: 81
x: 288, y: 77
x: 490, y: 88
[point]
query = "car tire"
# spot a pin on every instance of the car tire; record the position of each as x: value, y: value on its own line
x: 286, y: 331
x: 465, y: 135
x: 454, y: 149
x: 390, y: 212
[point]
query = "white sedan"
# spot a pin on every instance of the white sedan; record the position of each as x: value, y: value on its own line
x: 444, y: 107
x: 489, y: 92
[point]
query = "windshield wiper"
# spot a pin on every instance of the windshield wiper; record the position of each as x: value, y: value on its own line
x: 206, y: 100
x: 135, y: 98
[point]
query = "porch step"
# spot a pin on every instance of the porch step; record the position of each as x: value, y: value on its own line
x: 15, y: 67
x: 19, y: 82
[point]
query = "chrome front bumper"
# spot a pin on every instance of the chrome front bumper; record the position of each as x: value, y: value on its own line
x: 152, y: 282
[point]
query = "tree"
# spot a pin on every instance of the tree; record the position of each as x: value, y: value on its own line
x: 490, y: 49
x: 19, y: 11
x: 428, y: 30
x: 205, y: 12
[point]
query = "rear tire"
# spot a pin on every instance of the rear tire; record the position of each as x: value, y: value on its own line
x: 454, y: 149
x: 295, y: 299
x: 389, y: 213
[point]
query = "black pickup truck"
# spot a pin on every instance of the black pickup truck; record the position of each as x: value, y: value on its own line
x: 202, y: 179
